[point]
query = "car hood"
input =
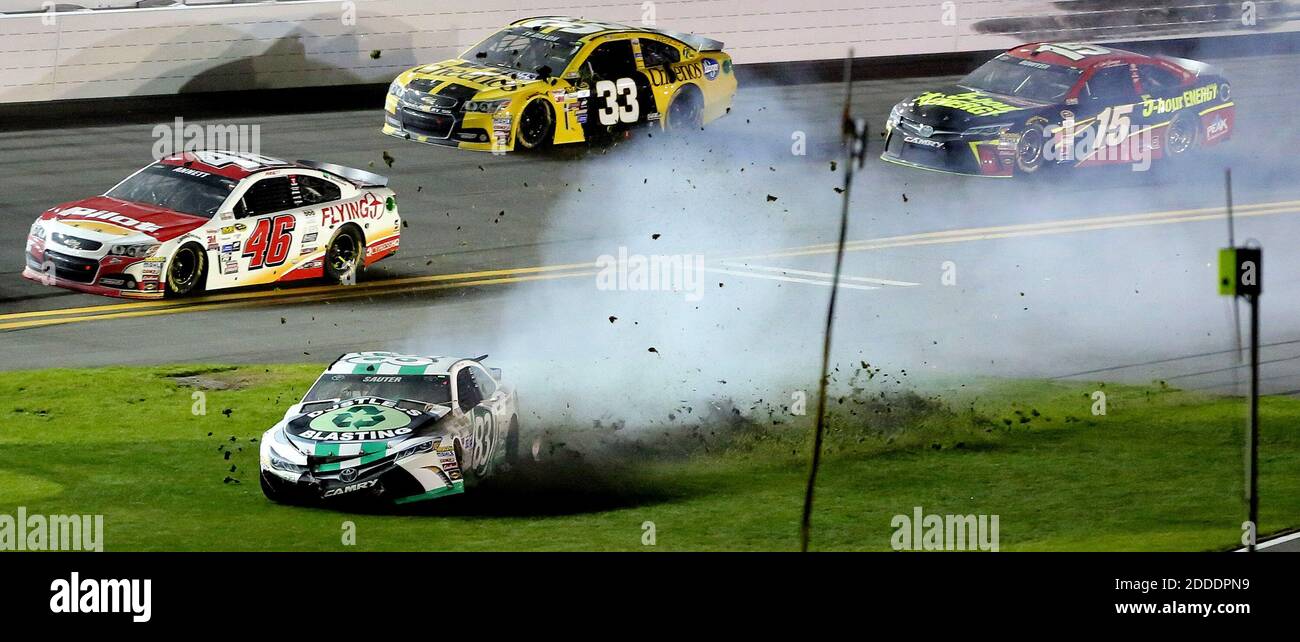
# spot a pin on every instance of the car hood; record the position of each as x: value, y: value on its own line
x: 366, y: 426
x: 113, y: 220
x: 956, y: 108
x: 464, y: 79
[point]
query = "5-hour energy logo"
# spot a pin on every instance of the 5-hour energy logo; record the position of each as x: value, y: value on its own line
x: 1189, y: 98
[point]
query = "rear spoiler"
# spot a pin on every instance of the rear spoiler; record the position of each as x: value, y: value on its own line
x: 699, y: 43
x: 359, y: 177
x: 1195, y: 66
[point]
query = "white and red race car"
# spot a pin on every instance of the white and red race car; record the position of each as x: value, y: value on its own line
x: 213, y: 220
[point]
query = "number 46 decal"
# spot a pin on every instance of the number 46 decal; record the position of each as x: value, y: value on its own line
x: 613, y: 112
x: 268, y: 245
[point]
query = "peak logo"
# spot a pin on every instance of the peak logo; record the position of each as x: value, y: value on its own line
x: 75, y: 595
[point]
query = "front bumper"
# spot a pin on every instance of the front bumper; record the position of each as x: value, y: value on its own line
x: 954, y: 154
x: 115, y: 276
x: 420, y: 477
x: 466, y: 130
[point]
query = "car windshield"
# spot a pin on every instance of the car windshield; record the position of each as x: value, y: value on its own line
x: 525, y: 50
x: 1027, y: 79
x: 176, y: 188
x: 425, y: 388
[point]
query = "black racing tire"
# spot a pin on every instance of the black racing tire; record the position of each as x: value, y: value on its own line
x: 1029, y: 151
x: 536, y: 128
x: 512, y: 442
x: 346, y: 253
x: 1183, y: 136
x: 187, y: 271
x: 276, y: 491
x: 686, y: 111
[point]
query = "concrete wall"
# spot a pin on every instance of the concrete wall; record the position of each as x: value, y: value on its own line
x: 129, y: 52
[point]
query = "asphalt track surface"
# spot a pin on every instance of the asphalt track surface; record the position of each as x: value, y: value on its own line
x: 1105, y: 275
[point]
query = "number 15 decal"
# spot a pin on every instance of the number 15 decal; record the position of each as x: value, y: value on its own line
x: 268, y: 245
x: 615, y: 112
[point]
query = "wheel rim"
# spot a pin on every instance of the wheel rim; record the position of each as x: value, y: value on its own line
x: 1030, y: 150
x: 1181, y: 136
x: 184, y: 269
x: 684, y: 112
x: 532, y: 125
x: 343, y: 253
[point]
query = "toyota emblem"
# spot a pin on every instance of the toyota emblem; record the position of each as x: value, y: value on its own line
x: 347, y: 474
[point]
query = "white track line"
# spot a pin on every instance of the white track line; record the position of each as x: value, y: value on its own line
x: 824, y: 275
x: 788, y: 279
x: 1272, y: 542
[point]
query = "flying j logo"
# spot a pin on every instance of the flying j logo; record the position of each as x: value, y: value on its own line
x: 369, y: 207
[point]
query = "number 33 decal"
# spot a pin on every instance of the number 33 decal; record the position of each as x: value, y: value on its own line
x: 615, y: 112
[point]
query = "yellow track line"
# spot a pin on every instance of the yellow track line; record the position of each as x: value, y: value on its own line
x: 1033, y: 229
x: 262, y: 294
x: 323, y: 293
x: 335, y: 293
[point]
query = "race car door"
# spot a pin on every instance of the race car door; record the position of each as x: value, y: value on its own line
x: 1108, y: 101
x: 484, y: 443
x: 264, y: 243
x: 620, y: 92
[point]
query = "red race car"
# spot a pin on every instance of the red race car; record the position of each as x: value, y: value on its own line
x: 1046, y: 104
x: 213, y: 220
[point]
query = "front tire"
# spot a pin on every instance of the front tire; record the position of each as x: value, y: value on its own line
x: 1029, y: 151
x: 345, y: 257
x: 187, y: 271
x: 536, y: 129
x: 275, y: 491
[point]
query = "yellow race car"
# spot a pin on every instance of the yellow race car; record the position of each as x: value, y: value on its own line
x: 554, y: 80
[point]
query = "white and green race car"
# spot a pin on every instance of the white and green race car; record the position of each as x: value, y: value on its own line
x: 391, y: 427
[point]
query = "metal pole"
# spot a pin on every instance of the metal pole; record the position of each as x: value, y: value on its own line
x: 805, y: 525
x: 1254, y: 420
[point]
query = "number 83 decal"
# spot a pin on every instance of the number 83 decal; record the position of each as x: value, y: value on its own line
x: 615, y: 111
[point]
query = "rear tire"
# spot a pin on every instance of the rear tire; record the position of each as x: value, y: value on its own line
x: 187, y: 271
x: 345, y: 255
x: 685, y: 113
x: 1182, y: 137
x: 512, y: 442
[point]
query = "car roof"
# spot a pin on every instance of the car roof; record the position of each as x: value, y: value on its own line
x: 603, y: 28
x: 1030, y: 51
x: 234, y: 165
x: 392, y: 363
